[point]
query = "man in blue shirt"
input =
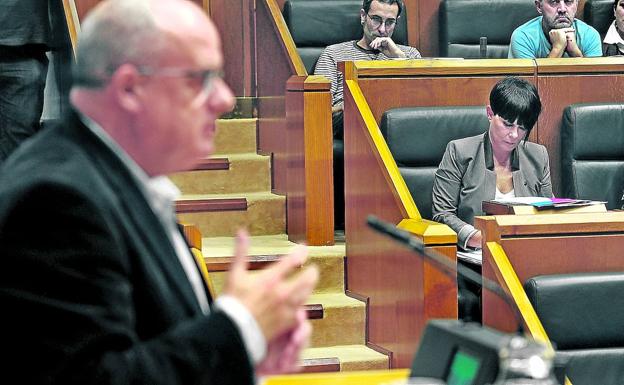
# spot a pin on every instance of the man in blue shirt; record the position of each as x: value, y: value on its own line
x: 556, y: 33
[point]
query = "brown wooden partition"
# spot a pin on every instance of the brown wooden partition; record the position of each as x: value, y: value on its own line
x: 296, y: 132
x: 402, y: 290
x: 545, y: 244
x: 560, y: 82
x: 310, y: 199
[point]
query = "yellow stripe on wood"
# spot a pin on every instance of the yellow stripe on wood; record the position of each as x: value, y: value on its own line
x: 379, y: 145
x: 73, y: 24
x: 503, y: 269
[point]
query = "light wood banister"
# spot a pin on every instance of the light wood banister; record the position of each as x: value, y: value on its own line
x: 73, y: 23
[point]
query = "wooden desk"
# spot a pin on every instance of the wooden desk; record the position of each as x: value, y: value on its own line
x: 373, y: 377
x: 532, y: 245
x: 428, y: 82
x: 495, y: 208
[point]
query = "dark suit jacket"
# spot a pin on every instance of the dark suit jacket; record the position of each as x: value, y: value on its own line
x: 91, y: 290
x: 466, y: 178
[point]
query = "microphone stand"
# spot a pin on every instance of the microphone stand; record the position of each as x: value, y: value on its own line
x: 444, y: 264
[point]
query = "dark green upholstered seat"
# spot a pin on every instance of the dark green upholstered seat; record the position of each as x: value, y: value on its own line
x: 599, y: 14
x: 463, y: 22
x: 583, y: 314
x: 417, y: 138
x: 592, y: 152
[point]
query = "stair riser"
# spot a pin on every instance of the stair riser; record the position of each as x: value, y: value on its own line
x: 339, y: 326
x: 351, y: 357
x: 331, y: 275
x: 261, y: 217
x: 236, y: 136
x: 364, y: 365
x: 243, y: 175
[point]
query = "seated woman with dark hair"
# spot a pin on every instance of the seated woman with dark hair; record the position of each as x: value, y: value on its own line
x: 613, y: 43
x: 499, y: 163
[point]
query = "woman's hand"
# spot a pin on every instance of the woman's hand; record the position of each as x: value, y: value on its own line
x: 475, y: 240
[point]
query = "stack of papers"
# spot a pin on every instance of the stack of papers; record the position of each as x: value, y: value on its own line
x: 547, y: 203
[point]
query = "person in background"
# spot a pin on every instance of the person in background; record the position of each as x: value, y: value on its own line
x: 378, y: 19
x: 28, y: 29
x: 497, y: 164
x: 97, y: 284
x: 613, y: 43
x: 554, y: 34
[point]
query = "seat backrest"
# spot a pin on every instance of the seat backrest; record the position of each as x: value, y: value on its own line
x: 417, y: 138
x: 315, y: 24
x: 592, y: 152
x: 599, y: 14
x: 464, y: 22
x: 580, y: 311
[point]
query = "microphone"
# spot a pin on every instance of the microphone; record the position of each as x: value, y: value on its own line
x: 444, y: 264
x: 483, y: 47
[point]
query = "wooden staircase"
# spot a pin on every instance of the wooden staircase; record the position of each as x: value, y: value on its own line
x: 233, y: 190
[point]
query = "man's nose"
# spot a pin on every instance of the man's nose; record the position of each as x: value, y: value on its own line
x: 513, y: 132
x: 382, y: 27
x: 221, y: 99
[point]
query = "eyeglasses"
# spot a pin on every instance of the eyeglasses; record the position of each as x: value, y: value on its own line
x: 554, y: 3
x: 206, y: 77
x: 376, y: 21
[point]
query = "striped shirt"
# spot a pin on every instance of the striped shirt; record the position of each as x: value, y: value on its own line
x: 348, y: 51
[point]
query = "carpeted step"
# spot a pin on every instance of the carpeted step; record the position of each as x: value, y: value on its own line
x: 249, y: 172
x: 235, y: 136
x: 265, y: 213
x: 343, y: 322
x: 329, y: 259
x: 351, y: 357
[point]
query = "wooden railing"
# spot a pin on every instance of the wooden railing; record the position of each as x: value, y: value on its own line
x: 468, y: 82
x: 545, y: 244
x: 371, y: 181
x: 294, y: 125
x: 402, y: 290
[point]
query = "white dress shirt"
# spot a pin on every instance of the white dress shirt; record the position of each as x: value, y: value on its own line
x: 160, y: 194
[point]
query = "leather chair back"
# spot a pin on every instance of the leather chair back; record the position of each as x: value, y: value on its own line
x: 583, y: 314
x: 417, y: 138
x: 599, y: 14
x: 463, y: 22
x: 592, y: 152
x: 315, y: 24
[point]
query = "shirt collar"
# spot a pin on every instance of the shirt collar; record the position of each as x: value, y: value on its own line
x: 159, y: 191
x: 613, y: 37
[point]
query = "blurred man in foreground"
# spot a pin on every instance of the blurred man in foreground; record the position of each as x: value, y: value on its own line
x: 97, y: 284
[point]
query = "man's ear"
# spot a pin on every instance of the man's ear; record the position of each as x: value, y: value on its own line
x: 489, y: 112
x: 362, y: 16
x: 126, y: 87
x: 538, y: 6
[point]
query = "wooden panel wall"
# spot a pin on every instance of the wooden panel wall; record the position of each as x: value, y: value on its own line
x: 235, y: 22
x: 84, y: 6
x: 402, y: 290
x: 310, y: 187
x: 468, y: 82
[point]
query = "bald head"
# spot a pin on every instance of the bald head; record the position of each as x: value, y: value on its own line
x: 139, y: 32
x: 148, y: 74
